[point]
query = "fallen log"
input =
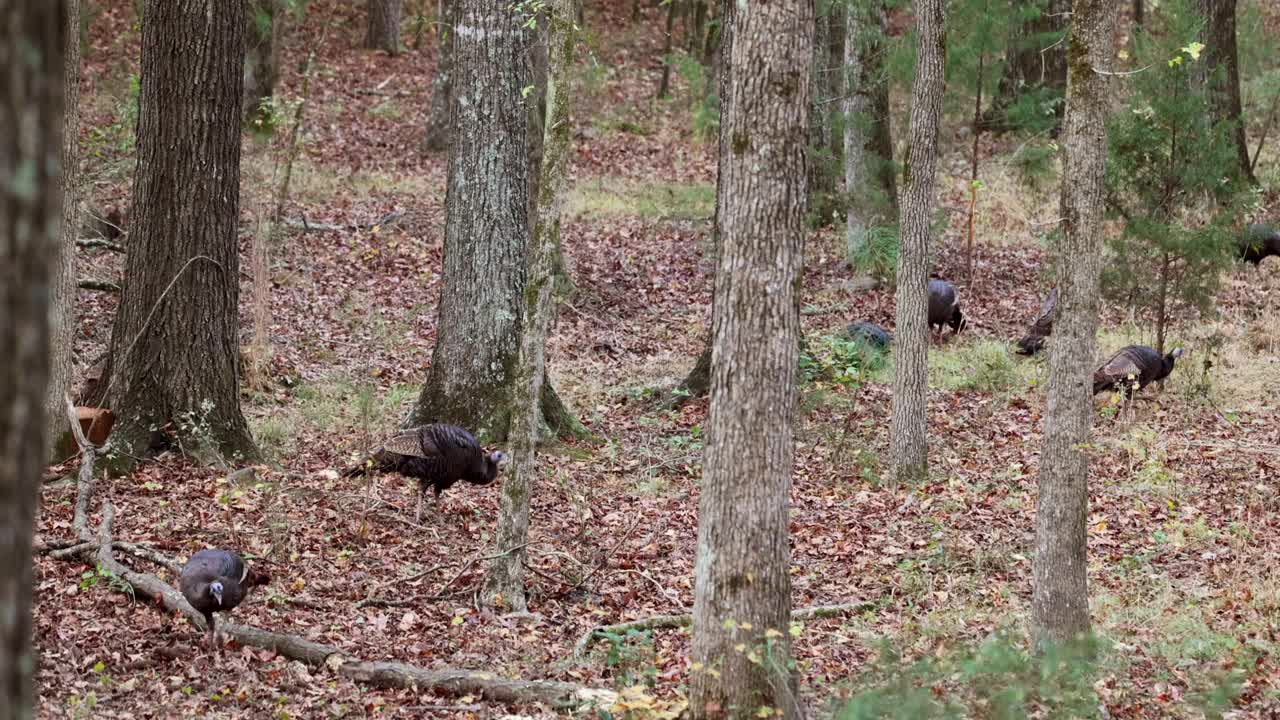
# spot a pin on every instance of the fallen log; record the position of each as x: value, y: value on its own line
x: 99, y: 285
x: 659, y: 622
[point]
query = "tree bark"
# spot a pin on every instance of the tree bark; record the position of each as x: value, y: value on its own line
x: 264, y: 31
x: 908, y: 448
x: 698, y: 382
x: 63, y: 289
x: 504, y: 584
x: 33, y: 36
x: 742, y: 586
x: 436, y: 136
x: 1222, y: 75
x: 486, y: 228
x: 384, y: 26
x: 821, y: 166
x: 868, y: 149
x: 1035, y: 59
x: 1060, y: 603
x: 175, y: 344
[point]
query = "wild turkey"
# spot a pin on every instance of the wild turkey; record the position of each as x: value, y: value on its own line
x: 1041, y: 327
x: 1258, y: 242
x: 944, y: 306
x: 870, y: 333
x: 437, y: 455
x: 217, y: 581
x: 1133, y: 368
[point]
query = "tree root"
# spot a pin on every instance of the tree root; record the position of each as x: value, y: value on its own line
x: 657, y: 622
x: 99, y: 551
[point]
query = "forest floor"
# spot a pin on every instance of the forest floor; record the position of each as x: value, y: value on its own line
x: 1184, y: 523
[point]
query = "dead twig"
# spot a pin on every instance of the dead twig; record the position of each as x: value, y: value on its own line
x: 307, y: 226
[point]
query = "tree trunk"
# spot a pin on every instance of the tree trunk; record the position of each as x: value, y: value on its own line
x: 504, y: 585
x: 486, y: 229
x: 664, y: 83
x: 868, y: 148
x: 384, y: 26
x: 1222, y: 75
x: 33, y: 36
x: 742, y: 606
x: 1138, y: 12
x: 908, y: 449
x: 1036, y: 58
x: 439, y: 120
x: 264, y: 31
x: 63, y: 289
x: 821, y: 170
x: 175, y: 353
x: 1060, y: 602
x: 698, y: 382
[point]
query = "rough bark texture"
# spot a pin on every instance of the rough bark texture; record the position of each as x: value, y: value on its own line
x: 436, y: 135
x: 63, y: 288
x: 504, y: 585
x: 1035, y: 59
x: 742, y: 587
x: 32, y: 39
x: 908, y: 448
x: 175, y: 345
x: 486, y: 229
x: 868, y: 148
x: 264, y: 31
x: 1060, y: 606
x: 384, y: 26
x: 1222, y: 67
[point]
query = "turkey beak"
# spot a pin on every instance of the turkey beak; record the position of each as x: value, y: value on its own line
x: 502, y: 459
x: 216, y: 590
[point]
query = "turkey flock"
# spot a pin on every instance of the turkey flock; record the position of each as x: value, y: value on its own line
x: 439, y: 455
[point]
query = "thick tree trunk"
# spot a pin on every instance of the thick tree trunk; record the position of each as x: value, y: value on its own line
x: 742, y: 606
x: 868, y: 148
x: 175, y: 345
x: 487, y: 227
x: 264, y: 32
x: 33, y: 36
x: 1036, y: 57
x: 504, y: 585
x: 1060, y: 602
x: 63, y: 289
x: 908, y: 448
x: 1222, y: 74
x: 439, y: 120
x: 384, y: 26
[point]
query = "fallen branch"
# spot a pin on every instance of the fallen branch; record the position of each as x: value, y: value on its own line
x: 100, y: 244
x: 658, y: 622
x: 84, y: 484
x: 377, y: 673
x: 307, y: 226
x: 100, y: 285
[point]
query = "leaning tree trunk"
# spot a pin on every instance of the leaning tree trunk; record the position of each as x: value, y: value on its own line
x: 175, y: 355
x: 1060, y: 602
x: 908, y: 450
x: 868, y: 149
x: 1222, y: 75
x: 62, y: 299
x: 1036, y: 58
x: 486, y: 228
x: 436, y: 135
x: 264, y: 32
x: 504, y: 585
x: 384, y: 26
x: 698, y: 382
x: 742, y: 586
x: 33, y: 36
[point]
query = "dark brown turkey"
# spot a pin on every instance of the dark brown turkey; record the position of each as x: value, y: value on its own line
x: 1041, y: 328
x: 1133, y: 368
x: 944, y: 306
x: 217, y: 581
x: 437, y: 455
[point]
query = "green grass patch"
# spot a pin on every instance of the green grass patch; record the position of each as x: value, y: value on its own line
x: 612, y: 197
x: 985, y: 366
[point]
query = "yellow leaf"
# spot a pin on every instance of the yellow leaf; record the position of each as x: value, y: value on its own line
x: 772, y: 633
x: 740, y: 647
x: 746, y: 626
x: 1194, y: 50
x: 458, y: 620
x: 753, y: 657
x: 729, y: 624
x: 696, y: 666
x: 764, y: 711
x: 796, y: 628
